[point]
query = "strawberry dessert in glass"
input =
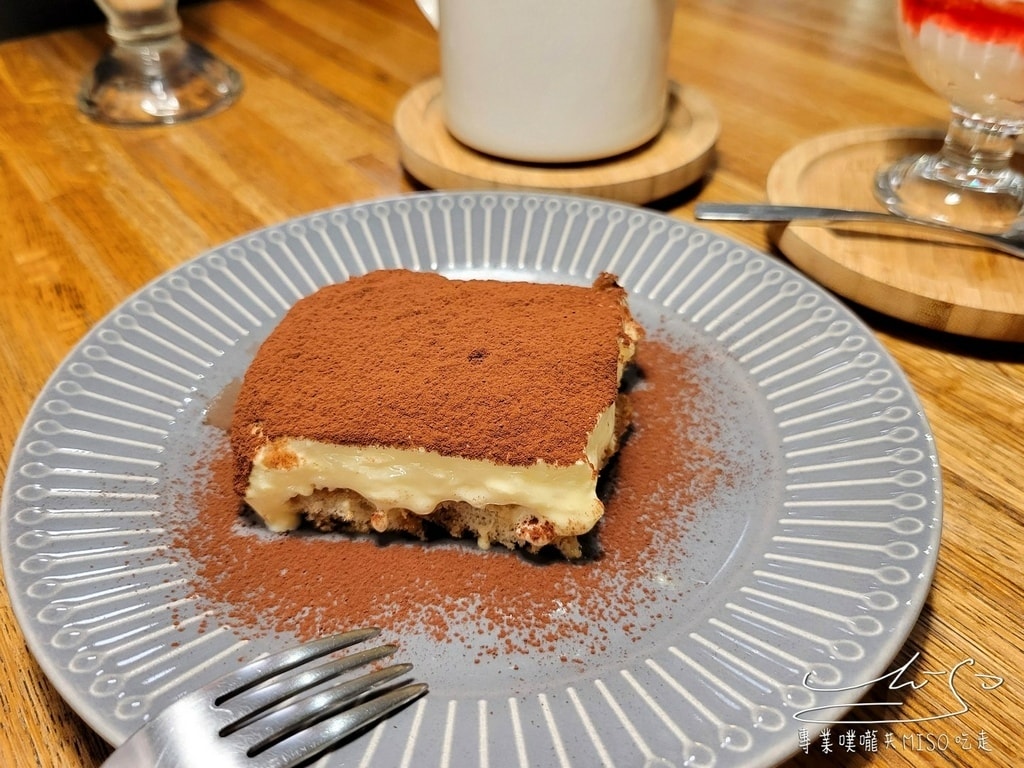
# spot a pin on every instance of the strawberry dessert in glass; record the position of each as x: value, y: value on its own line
x: 971, y: 52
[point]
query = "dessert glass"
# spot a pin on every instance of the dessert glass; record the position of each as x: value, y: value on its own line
x: 151, y: 75
x: 971, y: 52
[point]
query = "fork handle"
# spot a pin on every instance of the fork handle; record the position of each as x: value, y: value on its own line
x: 768, y: 212
x: 1012, y: 246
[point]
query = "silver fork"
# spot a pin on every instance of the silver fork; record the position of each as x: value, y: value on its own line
x: 255, y: 717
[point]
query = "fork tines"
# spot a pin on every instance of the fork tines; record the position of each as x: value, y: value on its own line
x: 283, y: 728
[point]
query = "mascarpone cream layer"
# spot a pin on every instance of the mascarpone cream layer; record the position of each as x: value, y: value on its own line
x: 419, y: 480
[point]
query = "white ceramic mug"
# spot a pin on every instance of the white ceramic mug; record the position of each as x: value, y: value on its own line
x: 553, y: 80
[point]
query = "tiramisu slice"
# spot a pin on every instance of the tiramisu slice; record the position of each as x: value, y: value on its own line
x: 485, y: 407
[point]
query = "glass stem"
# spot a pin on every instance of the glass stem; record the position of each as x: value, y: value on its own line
x: 978, y: 149
x: 152, y: 75
x: 148, y: 27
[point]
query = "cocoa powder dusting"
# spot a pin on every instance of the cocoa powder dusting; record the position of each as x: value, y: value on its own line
x: 414, y: 360
x: 310, y: 583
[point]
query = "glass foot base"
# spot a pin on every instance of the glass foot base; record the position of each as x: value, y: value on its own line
x: 927, y: 187
x: 157, y: 84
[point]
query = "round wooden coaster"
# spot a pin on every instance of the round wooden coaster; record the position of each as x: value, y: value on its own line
x: 912, y: 273
x: 677, y: 157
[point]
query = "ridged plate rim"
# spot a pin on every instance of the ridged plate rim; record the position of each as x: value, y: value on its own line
x: 766, y: 317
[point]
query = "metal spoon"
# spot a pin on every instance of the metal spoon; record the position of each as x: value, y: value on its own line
x: 1006, y: 243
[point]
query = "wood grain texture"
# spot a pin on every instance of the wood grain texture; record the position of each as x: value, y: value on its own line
x: 90, y: 214
x: 921, y: 276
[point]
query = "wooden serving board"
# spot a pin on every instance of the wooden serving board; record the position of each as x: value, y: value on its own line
x: 680, y: 155
x: 913, y: 273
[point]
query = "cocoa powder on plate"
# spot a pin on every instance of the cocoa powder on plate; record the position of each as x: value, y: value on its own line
x: 309, y: 583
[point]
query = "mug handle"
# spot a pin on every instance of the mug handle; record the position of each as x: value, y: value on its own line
x: 429, y: 9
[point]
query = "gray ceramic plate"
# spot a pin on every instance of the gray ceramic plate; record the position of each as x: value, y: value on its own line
x: 798, y: 583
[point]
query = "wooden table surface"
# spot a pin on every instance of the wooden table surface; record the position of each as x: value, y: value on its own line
x: 89, y: 214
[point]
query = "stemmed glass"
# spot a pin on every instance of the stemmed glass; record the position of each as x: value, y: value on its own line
x: 152, y: 75
x: 972, y: 53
